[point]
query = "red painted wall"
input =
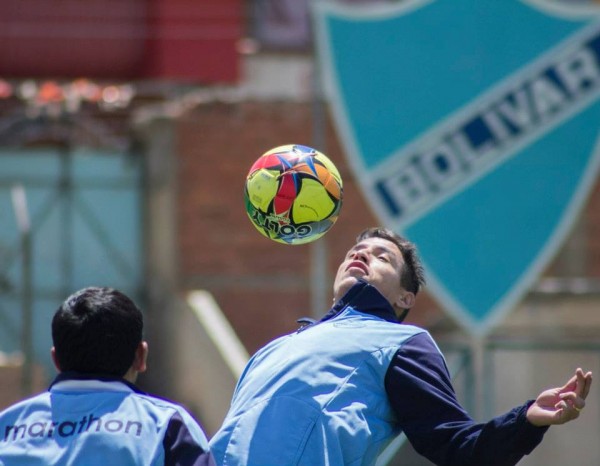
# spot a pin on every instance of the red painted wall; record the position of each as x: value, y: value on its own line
x: 121, y: 39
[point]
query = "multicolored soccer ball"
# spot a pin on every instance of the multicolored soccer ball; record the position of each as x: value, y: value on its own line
x: 293, y: 194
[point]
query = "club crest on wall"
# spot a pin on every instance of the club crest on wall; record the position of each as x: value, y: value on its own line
x: 471, y: 127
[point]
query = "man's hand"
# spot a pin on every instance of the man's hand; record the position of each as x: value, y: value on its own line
x: 561, y: 404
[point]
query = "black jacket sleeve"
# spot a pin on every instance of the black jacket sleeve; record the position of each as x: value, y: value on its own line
x: 180, y: 447
x: 419, y: 388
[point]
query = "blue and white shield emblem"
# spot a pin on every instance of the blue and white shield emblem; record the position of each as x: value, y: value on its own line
x: 472, y: 127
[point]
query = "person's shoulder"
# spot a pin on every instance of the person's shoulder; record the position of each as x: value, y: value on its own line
x: 411, y: 330
x: 162, y: 404
x: 391, y: 335
x: 156, y: 400
x: 173, y: 411
x: 423, y: 342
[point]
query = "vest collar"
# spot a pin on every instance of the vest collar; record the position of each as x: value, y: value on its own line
x: 74, y: 376
x: 364, y: 297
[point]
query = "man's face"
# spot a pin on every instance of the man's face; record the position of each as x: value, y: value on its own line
x: 377, y: 261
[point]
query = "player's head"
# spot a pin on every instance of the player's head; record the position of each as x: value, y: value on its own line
x: 97, y: 331
x: 413, y: 276
x: 387, y: 261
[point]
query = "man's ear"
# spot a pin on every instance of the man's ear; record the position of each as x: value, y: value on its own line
x: 54, y: 360
x: 141, y: 356
x: 406, y: 300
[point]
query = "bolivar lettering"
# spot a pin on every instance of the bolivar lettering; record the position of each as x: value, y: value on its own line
x: 71, y: 427
x: 456, y: 154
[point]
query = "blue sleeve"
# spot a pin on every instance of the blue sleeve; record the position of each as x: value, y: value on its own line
x: 419, y: 388
x: 180, y: 447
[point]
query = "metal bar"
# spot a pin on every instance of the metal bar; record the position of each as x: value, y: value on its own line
x: 489, y: 387
x: 21, y: 212
x: 37, y: 222
x: 319, y: 252
x: 66, y: 247
x: 9, y: 326
x: 27, y: 324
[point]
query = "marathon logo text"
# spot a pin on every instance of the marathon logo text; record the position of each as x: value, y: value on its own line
x: 490, y: 130
x: 69, y: 428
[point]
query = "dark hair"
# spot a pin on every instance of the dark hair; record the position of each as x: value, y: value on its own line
x: 97, y: 330
x: 413, y: 275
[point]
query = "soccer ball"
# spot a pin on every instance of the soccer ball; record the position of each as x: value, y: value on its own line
x: 293, y: 194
